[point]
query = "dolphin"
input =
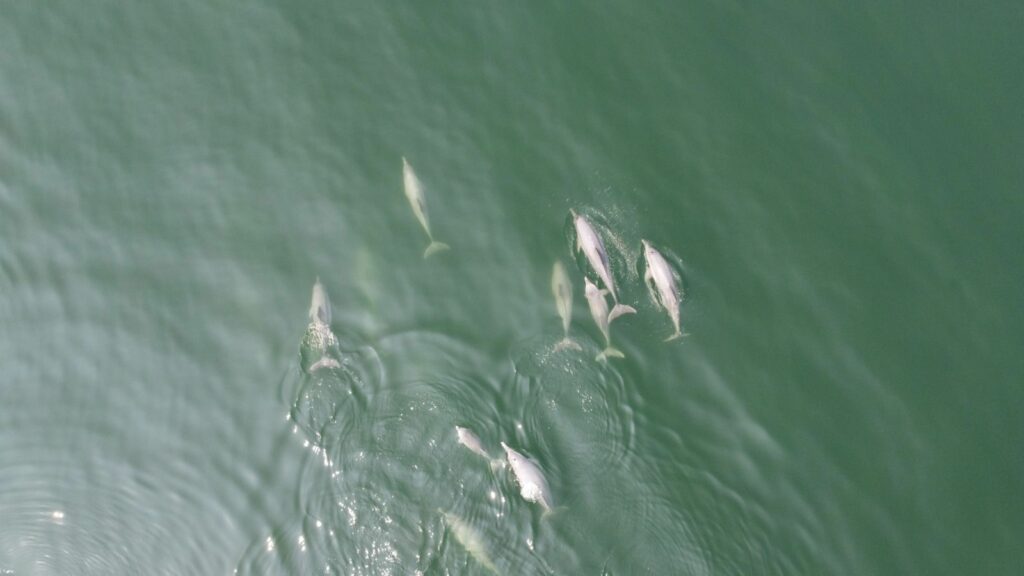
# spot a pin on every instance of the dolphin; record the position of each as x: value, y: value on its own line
x: 470, y: 539
x: 532, y: 485
x: 414, y: 192
x: 319, y: 338
x: 662, y: 286
x: 561, y: 287
x: 599, y: 310
x: 471, y: 441
x: 588, y: 242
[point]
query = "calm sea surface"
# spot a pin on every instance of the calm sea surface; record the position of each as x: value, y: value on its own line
x: 839, y: 186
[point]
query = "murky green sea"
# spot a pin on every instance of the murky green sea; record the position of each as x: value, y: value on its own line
x: 838, y: 186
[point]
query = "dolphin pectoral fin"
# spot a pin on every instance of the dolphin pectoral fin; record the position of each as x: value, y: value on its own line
x: 497, y: 464
x: 434, y: 248
x: 619, y: 310
x: 652, y: 288
x: 422, y: 214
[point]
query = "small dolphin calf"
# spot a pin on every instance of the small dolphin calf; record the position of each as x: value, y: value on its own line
x: 532, y: 484
x: 588, y: 242
x: 471, y: 441
x: 414, y: 192
x: 662, y: 286
x: 599, y: 310
x: 561, y: 287
x: 470, y: 539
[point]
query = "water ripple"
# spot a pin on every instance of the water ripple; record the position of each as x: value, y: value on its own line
x: 580, y: 409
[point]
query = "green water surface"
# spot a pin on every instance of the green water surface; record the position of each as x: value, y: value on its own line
x: 840, y: 184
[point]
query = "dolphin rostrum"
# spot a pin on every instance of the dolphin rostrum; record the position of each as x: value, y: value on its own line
x: 414, y: 192
x: 599, y: 310
x: 532, y: 484
x: 588, y: 242
x: 662, y: 286
x: 561, y: 287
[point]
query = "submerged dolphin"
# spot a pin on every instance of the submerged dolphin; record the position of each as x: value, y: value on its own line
x: 471, y: 441
x: 588, y: 242
x: 662, y: 286
x: 561, y: 287
x: 599, y: 310
x: 320, y: 304
x: 414, y: 192
x: 532, y: 485
x: 470, y: 539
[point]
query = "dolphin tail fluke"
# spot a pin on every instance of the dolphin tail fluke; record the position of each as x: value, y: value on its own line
x: 610, y: 352
x: 567, y: 344
x: 619, y: 310
x: 497, y: 464
x: 325, y: 362
x: 676, y: 335
x: 434, y: 248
